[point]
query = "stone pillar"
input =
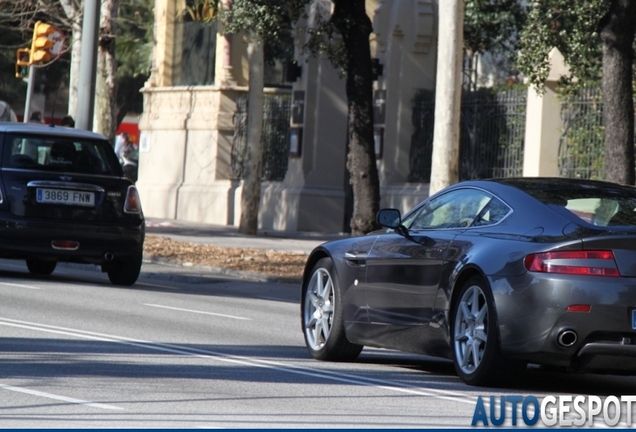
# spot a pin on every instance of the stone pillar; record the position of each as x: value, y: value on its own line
x: 543, y: 124
x: 164, y: 46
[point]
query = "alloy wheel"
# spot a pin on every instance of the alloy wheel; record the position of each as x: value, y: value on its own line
x: 319, y: 309
x: 471, y: 329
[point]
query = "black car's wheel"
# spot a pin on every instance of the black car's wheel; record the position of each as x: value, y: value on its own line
x: 125, y: 271
x: 321, y: 314
x: 475, y: 339
x: 40, y: 267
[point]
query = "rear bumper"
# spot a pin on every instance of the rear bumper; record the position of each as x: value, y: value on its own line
x: 23, y: 239
x: 532, y: 313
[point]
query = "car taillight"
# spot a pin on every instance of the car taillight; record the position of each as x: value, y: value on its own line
x: 587, y: 262
x: 132, y: 203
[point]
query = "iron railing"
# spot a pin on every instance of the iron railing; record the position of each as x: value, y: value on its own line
x: 492, y: 134
x: 581, y: 150
x: 276, y: 117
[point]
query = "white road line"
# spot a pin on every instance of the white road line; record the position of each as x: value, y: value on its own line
x: 158, y: 286
x: 198, y: 312
x: 60, y: 398
x: 20, y: 285
x: 246, y: 361
x: 271, y: 298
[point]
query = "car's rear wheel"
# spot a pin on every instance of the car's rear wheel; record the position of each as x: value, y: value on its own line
x: 322, y: 316
x: 125, y: 271
x: 475, y: 339
x: 40, y: 267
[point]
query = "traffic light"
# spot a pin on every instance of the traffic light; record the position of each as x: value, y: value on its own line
x: 46, y: 44
x: 22, y: 63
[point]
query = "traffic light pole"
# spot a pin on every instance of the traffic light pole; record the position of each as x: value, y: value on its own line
x: 88, y: 66
x: 29, y: 94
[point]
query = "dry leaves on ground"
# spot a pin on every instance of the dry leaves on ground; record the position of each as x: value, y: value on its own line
x: 287, y: 266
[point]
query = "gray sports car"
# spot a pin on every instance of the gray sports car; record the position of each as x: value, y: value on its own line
x: 493, y: 274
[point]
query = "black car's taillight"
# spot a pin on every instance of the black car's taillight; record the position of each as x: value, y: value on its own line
x: 585, y: 262
x: 132, y: 203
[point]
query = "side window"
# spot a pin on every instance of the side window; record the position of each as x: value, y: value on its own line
x: 455, y: 209
x: 492, y: 213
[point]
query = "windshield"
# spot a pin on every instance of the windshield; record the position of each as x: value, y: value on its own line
x: 67, y: 154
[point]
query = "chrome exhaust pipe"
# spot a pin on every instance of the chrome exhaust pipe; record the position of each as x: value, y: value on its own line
x: 567, y: 338
x: 108, y: 256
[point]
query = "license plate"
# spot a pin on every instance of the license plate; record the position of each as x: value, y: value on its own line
x: 634, y: 319
x: 62, y: 196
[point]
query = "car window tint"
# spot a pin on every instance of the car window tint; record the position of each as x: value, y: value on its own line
x: 83, y: 156
x: 492, y: 213
x: 596, y: 206
x: 604, y: 211
x: 455, y: 209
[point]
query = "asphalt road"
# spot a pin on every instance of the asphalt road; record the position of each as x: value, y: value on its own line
x: 211, y: 352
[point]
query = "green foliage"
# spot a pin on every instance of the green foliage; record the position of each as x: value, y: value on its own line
x: 133, y: 52
x: 269, y: 20
x: 493, y: 26
x: 572, y: 27
x: 134, y: 37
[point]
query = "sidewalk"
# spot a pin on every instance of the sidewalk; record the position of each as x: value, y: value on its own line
x: 228, y: 236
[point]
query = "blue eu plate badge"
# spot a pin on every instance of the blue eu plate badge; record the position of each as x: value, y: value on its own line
x: 634, y: 319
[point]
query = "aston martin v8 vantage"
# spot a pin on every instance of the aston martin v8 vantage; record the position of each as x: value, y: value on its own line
x: 493, y: 274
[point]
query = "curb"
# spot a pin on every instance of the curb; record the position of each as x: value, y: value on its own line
x: 205, y: 275
x: 211, y: 270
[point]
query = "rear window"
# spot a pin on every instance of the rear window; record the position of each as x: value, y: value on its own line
x: 599, y: 207
x: 67, y: 154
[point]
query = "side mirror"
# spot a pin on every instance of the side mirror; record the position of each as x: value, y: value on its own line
x: 390, y: 218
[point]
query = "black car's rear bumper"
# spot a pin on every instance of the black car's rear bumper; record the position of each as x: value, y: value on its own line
x: 98, y: 242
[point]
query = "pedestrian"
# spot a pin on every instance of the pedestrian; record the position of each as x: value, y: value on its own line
x: 67, y: 121
x: 128, y: 155
x: 36, y: 117
x: 130, y: 161
x: 122, y: 141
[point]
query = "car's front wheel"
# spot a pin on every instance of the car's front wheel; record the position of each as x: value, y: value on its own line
x: 322, y: 316
x: 476, y: 352
x: 40, y: 267
x: 125, y: 271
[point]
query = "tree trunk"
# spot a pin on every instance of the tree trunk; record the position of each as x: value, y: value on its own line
x: 617, y: 35
x: 354, y: 25
x: 448, y: 92
x: 105, y: 89
x: 252, y: 164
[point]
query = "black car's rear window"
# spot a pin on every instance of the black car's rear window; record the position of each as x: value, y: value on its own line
x: 67, y: 154
x: 596, y: 206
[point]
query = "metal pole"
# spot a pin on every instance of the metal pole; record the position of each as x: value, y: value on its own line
x: 29, y: 94
x: 88, y: 66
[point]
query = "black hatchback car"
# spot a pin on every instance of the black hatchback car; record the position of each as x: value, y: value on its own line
x: 63, y: 198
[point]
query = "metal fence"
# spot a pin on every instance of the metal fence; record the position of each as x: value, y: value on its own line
x: 276, y: 116
x: 492, y: 134
x: 581, y: 150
